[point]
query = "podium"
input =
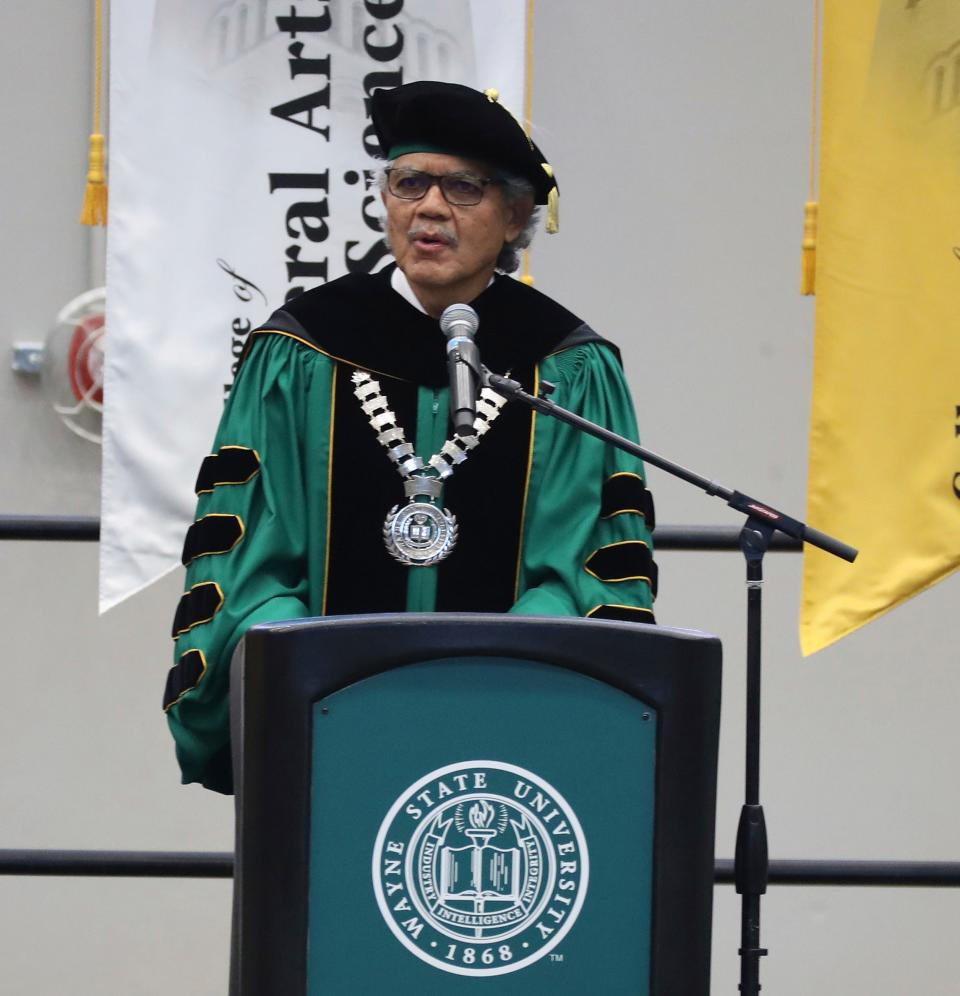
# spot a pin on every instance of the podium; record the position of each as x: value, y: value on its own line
x: 428, y: 801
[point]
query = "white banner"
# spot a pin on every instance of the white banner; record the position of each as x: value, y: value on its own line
x: 240, y: 151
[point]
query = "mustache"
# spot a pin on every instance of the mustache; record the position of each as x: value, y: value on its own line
x: 433, y: 232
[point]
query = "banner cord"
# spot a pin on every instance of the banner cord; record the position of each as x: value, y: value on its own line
x: 527, y: 276
x: 94, y: 210
x: 812, y: 206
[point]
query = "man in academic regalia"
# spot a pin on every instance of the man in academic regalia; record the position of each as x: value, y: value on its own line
x: 338, y: 419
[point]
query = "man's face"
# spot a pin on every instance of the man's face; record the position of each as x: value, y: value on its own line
x: 448, y: 253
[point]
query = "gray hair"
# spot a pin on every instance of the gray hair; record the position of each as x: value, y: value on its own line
x: 515, y: 189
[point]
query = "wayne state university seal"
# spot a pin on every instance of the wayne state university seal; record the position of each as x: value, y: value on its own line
x: 480, y: 868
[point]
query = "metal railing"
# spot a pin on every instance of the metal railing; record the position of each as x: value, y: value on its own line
x: 219, y: 864
x: 86, y: 528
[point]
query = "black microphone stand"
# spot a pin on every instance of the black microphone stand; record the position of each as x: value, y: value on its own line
x: 751, y: 858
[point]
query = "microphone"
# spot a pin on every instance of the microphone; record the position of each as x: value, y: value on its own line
x: 459, y: 324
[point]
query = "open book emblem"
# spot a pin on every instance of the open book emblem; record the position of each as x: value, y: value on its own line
x: 481, y: 870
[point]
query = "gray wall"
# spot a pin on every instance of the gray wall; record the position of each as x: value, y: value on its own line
x: 680, y: 239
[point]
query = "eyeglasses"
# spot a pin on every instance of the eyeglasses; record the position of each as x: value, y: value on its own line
x: 459, y: 189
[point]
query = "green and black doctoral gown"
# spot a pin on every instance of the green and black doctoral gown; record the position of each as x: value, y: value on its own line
x: 293, y: 497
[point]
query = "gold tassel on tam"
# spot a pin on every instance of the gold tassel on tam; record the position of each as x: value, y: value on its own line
x: 808, y: 276
x: 553, y: 204
x: 95, y: 197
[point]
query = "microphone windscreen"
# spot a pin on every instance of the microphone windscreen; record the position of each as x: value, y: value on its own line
x: 459, y: 319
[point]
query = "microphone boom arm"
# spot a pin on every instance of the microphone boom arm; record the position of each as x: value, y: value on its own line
x: 751, y: 507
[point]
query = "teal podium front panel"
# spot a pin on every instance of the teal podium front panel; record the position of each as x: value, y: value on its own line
x: 481, y: 823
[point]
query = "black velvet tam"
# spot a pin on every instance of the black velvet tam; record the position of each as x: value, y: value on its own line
x: 456, y: 120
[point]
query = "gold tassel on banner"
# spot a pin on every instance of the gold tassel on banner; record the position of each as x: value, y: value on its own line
x: 808, y: 276
x: 95, y: 197
x: 808, y: 273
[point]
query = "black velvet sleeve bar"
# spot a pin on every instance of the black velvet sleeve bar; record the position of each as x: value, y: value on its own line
x: 230, y: 465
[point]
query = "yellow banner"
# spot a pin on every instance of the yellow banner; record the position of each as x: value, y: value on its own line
x: 884, y: 470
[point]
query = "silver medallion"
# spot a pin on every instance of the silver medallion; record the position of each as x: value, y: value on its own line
x: 419, y: 534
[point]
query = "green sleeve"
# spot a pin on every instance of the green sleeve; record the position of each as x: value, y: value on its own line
x: 587, y: 547
x: 279, y: 515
